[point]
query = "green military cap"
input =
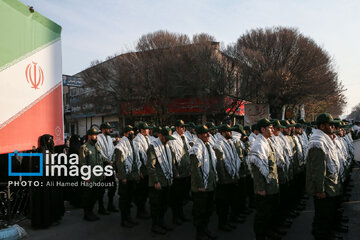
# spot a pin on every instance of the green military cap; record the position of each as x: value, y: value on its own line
x: 325, y: 118
x: 105, y: 125
x: 210, y: 125
x: 298, y: 125
x: 202, y: 129
x: 302, y: 121
x: 262, y: 123
x: 93, y: 131
x: 166, y: 132
x: 292, y: 122
x: 143, y: 125
x: 191, y: 125
x: 128, y: 128
x: 338, y: 123
x: 276, y: 123
x: 150, y: 126
x: 224, y: 128
x: 357, y: 122
x: 239, y: 128
x: 180, y: 123
x: 254, y: 127
x: 247, y: 128
x: 286, y: 123
x: 156, y: 129
x: 347, y: 126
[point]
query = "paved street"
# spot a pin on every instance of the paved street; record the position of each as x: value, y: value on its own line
x: 74, y: 227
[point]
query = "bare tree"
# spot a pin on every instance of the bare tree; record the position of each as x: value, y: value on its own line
x: 280, y: 66
x: 166, y: 66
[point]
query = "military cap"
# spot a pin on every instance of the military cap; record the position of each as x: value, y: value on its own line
x: 210, y: 125
x: 143, y: 125
x: 239, y: 128
x: 247, y: 128
x: 191, y: 125
x: 105, y: 125
x: 180, y: 123
x: 286, y: 123
x: 156, y: 129
x: 202, y: 129
x: 128, y: 128
x: 262, y: 123
x: 340, y: 124
x: 302, y: 121
x: 276, y: 123
x: 166, y: 132
x: 292, y: 121
x: 325, y: 118
x: 93, y: 131
x: 254, y: 127
x: 347, y: 126
x: 225, y: 128
x: 298, y: 125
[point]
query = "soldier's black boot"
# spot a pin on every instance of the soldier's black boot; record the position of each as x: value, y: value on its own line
x: 183, y: 217
x: 102, y: 210
x: 124, y: 220
x: 165, y: 226
x: 209, y: 234
x: 130, y: 219
x: 155, y: 228
x: 89, y: 215
x: 158, y: 230
x: 111, y: 207
x: 200, y: 234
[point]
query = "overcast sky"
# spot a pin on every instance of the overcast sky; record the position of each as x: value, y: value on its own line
x: 96, y: 29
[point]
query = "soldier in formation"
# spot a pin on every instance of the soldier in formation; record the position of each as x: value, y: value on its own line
x: 227, y: 168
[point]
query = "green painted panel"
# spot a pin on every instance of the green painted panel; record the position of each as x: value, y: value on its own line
x: 23, y: 32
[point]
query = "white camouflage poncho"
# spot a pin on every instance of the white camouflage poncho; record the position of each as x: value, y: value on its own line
x: 128, y: 153
x: 321, y: 140
x: 202, y: 154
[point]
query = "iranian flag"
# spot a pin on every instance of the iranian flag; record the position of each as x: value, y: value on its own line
x: 30, y: 78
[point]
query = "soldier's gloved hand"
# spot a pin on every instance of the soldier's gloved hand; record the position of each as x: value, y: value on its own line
x: 157, y: 186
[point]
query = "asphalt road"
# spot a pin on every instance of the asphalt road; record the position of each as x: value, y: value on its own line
x: 73, y: 226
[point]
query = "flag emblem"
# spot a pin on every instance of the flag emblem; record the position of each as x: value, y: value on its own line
x: 34, y: 75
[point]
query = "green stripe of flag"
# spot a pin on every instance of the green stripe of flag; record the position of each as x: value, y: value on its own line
x: 23, y: 32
